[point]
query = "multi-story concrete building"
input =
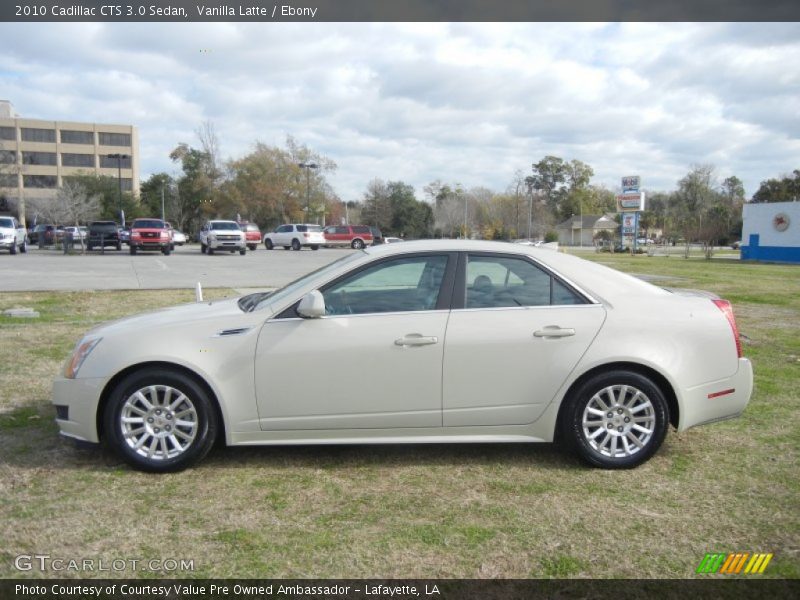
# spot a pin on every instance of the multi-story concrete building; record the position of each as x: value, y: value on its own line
x: 36, y: 156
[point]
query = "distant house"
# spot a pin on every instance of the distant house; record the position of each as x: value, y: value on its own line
x: 581, y: 230
x: 771, y: 232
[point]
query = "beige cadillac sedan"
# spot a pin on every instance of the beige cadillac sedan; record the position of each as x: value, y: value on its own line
x: 467, y: 341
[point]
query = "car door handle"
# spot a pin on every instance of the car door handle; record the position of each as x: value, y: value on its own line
x: 415, y: 339
x: 554, y: 331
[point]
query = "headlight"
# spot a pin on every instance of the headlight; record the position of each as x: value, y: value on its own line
x: 79, y: 355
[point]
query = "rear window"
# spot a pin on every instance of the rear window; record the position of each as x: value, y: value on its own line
x: 311, y: 228
x: 148, y: 224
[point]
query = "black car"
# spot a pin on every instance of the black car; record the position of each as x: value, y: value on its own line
x: 42, y: 235
x: 377, y: 236
x: 103, y: 233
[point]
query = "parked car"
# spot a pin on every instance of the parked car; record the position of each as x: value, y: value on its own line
x: 355, y: 236
x: 13, y: 236
x: 377, y: 236
x: 125, y: 235
x: 392, y: 240
x: 178, y: 238
x: 736, y: 245
x: 150, y: 235
x: 295, y: 236
x: 78, y: 233
x: 42, y: 234
x: 468, y: 341
x: 222, y: 235
x: 252, y: 234
x: 103, y: 233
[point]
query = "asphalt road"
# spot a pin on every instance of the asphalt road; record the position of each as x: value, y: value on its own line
x: 49, y: 269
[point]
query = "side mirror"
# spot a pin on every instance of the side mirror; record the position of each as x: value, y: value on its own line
x: 312, y: 306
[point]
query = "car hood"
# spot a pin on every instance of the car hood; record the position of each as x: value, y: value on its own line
x: 181, y: 317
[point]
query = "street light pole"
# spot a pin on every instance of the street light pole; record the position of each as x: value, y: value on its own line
x: 308, y: 166
x: 120, y: 158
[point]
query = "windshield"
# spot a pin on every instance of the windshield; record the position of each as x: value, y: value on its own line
x: 6, y: 223
x: 295, y: 285
x: 148, y: 223
x: 226, y: 225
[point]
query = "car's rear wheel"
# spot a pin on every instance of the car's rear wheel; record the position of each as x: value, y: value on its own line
x: 243, y: 251
x: 160, y: 420
x: 616, y: 420
x: 252, y: 247
x: 296, y: 244
x: 132, y: 250
x: 357, y: 244
x: 202, y: 248
x: 315, y: 247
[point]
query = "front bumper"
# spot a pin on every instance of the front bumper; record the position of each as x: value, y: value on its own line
x: 717, y: 400
x: 77, y: 400
x: 7, y: 243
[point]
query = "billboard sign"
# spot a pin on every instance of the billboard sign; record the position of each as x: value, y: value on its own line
x: 630, y: 183
x: 629, y: 224
x: 630, y: 202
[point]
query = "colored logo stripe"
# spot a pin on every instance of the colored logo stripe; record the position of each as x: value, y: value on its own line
x: 735, y: 563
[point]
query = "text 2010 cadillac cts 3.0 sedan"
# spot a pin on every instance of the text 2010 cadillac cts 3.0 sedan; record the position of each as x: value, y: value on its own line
x: 432, y: 341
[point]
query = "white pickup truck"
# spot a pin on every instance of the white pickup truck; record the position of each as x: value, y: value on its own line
x: 222, y: 235
x: 12, y: 235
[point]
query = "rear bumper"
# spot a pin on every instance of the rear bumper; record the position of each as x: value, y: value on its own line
x: 717, y: 400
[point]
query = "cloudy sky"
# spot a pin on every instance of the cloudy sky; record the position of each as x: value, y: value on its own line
x: 466, y: 103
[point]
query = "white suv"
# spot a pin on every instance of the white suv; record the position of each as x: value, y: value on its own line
x: 295, y: 236
x: 222, y: 235
x: 12, y: 235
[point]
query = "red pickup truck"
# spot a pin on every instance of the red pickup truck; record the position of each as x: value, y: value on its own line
x: 150, y: 234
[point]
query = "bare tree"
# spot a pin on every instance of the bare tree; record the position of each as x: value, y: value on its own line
x: 73, y: 205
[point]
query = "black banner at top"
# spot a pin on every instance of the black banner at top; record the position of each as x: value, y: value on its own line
x: 188, y: 11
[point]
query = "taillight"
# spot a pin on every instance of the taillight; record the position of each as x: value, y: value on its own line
x: 305, y: 235
x: 727, y: 310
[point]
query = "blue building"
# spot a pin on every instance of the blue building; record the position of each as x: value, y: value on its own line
x: 771, y: 232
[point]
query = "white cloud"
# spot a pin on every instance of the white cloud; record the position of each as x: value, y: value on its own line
x: 465, y: 102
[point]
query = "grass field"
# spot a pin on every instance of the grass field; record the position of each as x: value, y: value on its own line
x: 411, y: 511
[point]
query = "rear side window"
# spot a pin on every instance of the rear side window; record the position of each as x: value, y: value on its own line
x: 502, y: 281
x: 361, y: 229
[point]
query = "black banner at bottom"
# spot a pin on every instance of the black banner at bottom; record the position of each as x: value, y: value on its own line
x: 395, y: 589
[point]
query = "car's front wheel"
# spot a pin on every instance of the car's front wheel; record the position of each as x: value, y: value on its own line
x: 24, y: 247
x: 268, y: 244
x: 160, y: 420
x: 616, y: 420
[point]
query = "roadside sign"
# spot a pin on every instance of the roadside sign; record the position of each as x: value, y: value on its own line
x: 630, y: 202
x: 628, y: 223
x: 630, y: 183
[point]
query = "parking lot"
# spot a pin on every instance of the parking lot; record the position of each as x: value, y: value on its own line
x: 50, y: 269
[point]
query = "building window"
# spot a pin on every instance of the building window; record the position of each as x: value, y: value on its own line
x: 77, y: 160
x: 39, y: 181
x: 39, y: 158
x: 114, y: 139
x: 107, y: 162
x: 30, y: 134
x: 77, y: 137
x: 8, y: 133
x: 8, y: 157
x: 8, y: 181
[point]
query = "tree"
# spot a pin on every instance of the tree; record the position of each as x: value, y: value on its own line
x: 160, y: 186
x: 549, y: 175
x: 779, y: 190
x: 376, y: 209
x: 107, y: 191
x: 74, y: 204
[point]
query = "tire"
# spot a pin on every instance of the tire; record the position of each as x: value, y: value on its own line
x: 315, y: 247
x: 296, y: 244
x: 357, y: 244
x: 268, y: 244
x: 24, y: 247
x: 252, y: 247
x: 210, y: 250
x: 119, y: 246
x: 13, y: 249
x: 202, y: 248
x: 166, y: 250
x: 132, y: 250
x: 634, y: 431
x: 243, y: 251
x: 286, y: 247
x: 176, y: 430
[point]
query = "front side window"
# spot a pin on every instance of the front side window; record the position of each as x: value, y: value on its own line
x: 402, y: 284
x: 501, y: 281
